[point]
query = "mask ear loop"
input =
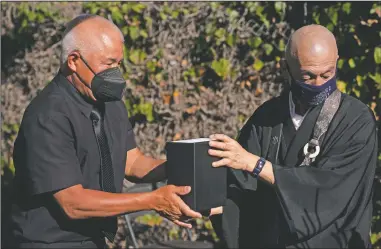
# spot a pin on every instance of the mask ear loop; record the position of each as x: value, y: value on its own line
x: 79, y: 77
x: 87, y: 64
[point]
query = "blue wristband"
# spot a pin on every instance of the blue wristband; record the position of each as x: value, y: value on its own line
x: 258, y: 167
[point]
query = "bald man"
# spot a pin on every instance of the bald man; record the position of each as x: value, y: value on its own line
x: 303, y: 166
x: 76, y: 145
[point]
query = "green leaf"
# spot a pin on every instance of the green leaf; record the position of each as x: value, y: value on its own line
x: 138, y: 8
x: 233, y: 15
x: 124, y: 30
x: 255, y: 42
x: 374, y: 237
x: 185, y: 11
x: 230, y: 40
x: 158, y: 77
x: 316, y: 17
x: 282, y: 46
x: 220, y: 33
x: 268, y: 48
x: 125, y: 8
x: 258, y: 65
x: 163, y: 16
x: 221, y: 67
x: 377, y: 55
x: 376, y: 78
x: 147, y: 110
x: 280, y: 7
x: 214, y: 5
x: 137, y: 56
x: 116, y: 15
x: 332, y: 14
x: 143, y: 33
x: 149, y: 21
x: 151, y: 66
x: 352, y: 63
x: 175, y: 14
x: 330, y: 27
x: 134, y: 32
x: 346, y: 7
x: 340, y: 63
x: 24, y: 23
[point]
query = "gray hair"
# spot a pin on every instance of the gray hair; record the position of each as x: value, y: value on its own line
x: 70, y: 42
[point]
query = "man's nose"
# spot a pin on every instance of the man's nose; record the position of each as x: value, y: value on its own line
x: 319, y: 81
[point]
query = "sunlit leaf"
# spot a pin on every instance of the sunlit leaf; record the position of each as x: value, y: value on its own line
x: 268, y: 48
x: 258, y: 65
x: 280, y: 7
x: 340, y: 63
x: 346, y: 8
x: 359, y: 80
x: 377, y: 55
x: 143, y: 33
x: 221, y: 67
x: 163, y: 16
x: 175, y: 14
x: 282, y: 45
x: 134, y: 32
x: 220, y: 33
x: 342, y: 86
x: 377, y: 78
x: 255, y: 42
x: 138, y: 7
x: 352, y: 63
x: 230, y: 40
x: 151, y: 66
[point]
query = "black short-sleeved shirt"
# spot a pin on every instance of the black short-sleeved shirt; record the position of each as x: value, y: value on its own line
x: 56, y: 148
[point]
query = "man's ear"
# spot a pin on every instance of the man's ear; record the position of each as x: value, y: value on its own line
x: 72, y: 61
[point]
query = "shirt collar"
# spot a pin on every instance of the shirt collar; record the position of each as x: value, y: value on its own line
x: 74, y: 95
x: 296, y: 118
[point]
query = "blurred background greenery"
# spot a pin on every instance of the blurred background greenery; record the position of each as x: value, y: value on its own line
x: 192, y: 68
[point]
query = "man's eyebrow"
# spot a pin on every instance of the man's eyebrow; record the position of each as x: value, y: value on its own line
x: 312, y: 73
x: 112, y: 59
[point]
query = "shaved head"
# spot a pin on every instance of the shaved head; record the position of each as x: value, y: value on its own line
x: 88, y: 33
x: 311, y: 54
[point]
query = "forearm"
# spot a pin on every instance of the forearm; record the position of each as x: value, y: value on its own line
x: 80, y: 203
x: 147, y: 170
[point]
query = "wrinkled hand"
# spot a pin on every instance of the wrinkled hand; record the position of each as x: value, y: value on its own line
x: 169, y: 204
x: 231, y: 152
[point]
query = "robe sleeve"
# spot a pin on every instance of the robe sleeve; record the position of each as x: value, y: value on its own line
x: 240, y: 186
x: 314, y: 197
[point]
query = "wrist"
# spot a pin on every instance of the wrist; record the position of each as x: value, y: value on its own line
x: 150, y: 200
x: 252, y: 163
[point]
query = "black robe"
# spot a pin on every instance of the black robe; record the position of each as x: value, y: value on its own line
x: 324, y: 205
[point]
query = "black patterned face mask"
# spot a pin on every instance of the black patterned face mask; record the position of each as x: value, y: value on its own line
x: 313, y: 95
x: 310, y: 95
x: 108, y: 85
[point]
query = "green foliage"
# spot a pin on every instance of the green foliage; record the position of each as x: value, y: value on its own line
x: 34, y: 14
x: 144, y: 108
x: 221, y: 67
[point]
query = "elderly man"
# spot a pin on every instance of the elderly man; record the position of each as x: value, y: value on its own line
x: 313, y: 150
x: 76, y: 145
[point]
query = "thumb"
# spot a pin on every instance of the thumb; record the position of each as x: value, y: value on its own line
x: 183, y: 190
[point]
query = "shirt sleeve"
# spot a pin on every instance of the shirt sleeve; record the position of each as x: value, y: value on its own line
x: 131, y: 143
x: 50, y: 162
x: 130, y: 136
